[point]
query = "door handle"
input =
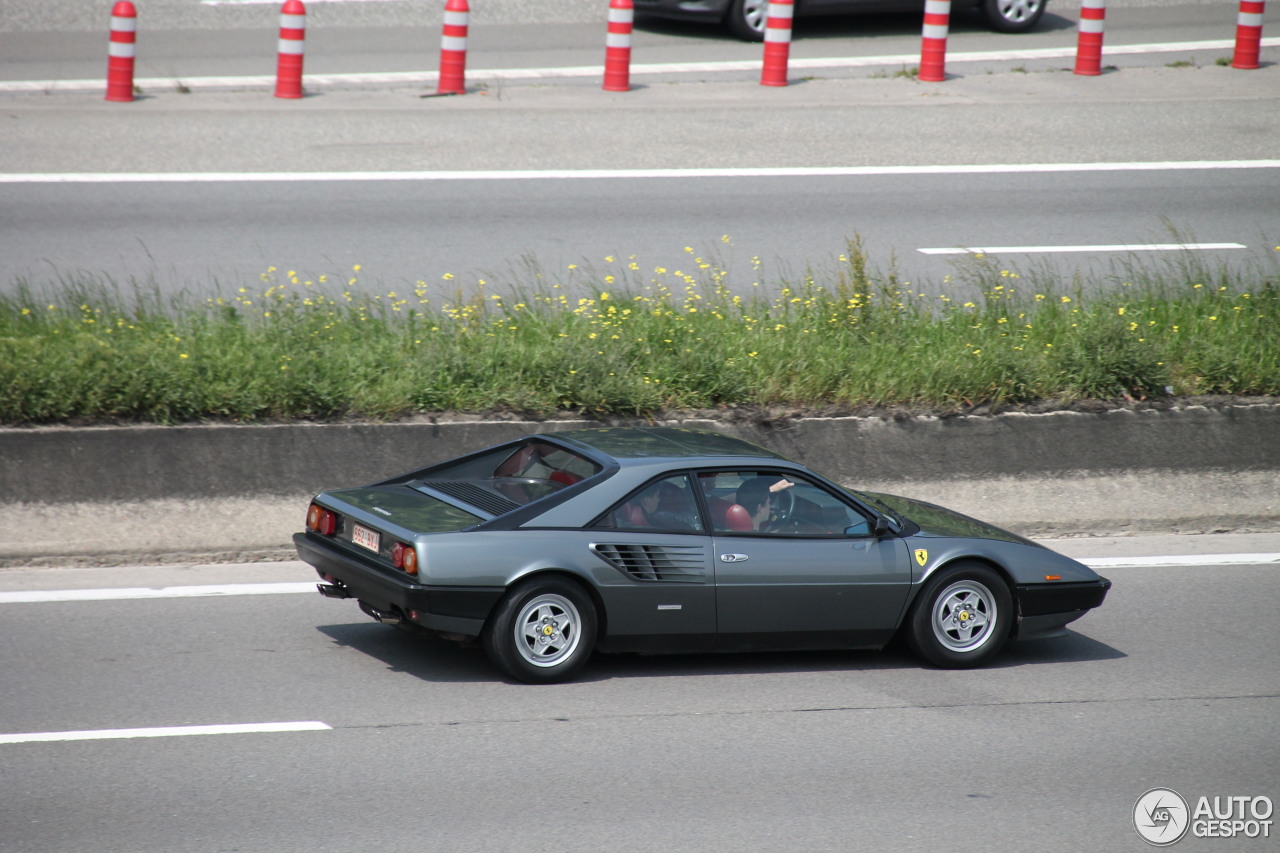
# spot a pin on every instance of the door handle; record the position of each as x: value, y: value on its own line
x: 734, y: 558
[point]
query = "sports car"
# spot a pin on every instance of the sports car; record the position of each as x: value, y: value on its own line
x: 554, y: 546
x: 746, y: 18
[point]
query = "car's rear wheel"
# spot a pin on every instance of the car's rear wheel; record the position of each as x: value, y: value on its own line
x: 962, y: 617
x: 747, y: 18
x: 542, y: 631
x: 1012, y: 16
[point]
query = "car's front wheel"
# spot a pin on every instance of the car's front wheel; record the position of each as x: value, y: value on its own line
x: 1012, y: 16
x: 542, y: 631
x: 747, y: 18
x: 962, y: 617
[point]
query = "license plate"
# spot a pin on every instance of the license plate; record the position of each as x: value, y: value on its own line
x: 365, y: 537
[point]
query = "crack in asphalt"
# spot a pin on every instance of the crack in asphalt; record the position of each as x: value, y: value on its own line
x: 815, y: 710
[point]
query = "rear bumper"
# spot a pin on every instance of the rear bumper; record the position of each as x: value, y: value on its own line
x: 447, y: 609
x: 1044, y: 610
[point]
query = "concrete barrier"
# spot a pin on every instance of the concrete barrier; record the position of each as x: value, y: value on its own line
x: 112, y: 494
x: 63, y: 464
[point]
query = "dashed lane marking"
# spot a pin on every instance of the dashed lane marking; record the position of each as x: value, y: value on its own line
x: 167, y: 731
x: 1183, y: 561
x: 206, y: 591
x: 1036, y: 250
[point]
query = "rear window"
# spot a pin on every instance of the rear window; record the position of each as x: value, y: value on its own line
x: 510, y: 477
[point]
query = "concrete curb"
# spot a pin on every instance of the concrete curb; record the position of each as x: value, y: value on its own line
x: 111, y: 494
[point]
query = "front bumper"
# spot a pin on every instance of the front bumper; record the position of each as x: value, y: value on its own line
x: 447, y: 609
x: 1045, y: 609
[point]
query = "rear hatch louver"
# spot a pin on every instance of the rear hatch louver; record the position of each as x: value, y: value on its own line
x: 474, y: 494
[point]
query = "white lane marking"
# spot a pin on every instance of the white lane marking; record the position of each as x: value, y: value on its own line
x: 213, y: 590
x: 1181, y: 561
x: 167, y: 731
x: 69, y: 595
x: 422, y: 77
x: 1032, y: 250
x: 615, y: 174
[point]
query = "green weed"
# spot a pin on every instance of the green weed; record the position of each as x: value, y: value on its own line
x: 615, y: 340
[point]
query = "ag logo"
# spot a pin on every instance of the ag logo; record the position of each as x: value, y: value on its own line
x: 1161, y: 817
x: 922, y: 556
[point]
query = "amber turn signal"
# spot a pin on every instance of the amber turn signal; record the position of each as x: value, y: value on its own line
x: 404, y: 557
x: 321, y: 520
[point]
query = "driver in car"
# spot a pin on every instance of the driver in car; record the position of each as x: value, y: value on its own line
x: 756, y: 497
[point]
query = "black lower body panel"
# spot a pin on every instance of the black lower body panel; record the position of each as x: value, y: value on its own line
x: 1044, y: 610
x: 446, y: 609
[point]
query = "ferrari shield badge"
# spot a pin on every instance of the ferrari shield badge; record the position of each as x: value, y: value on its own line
x: 922, y: 556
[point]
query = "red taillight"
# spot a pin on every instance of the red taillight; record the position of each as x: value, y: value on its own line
x: 321, y: 520
x: 404, y: 557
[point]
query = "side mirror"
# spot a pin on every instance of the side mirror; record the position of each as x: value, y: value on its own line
x: 877, y: 529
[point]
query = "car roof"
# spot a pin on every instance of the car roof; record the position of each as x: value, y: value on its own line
x: 650, y: 443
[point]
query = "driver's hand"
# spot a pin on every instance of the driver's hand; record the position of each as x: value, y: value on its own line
x: 780, y: 485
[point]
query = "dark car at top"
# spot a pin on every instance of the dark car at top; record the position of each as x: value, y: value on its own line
x: 553, y: 546
x: 746, y: 18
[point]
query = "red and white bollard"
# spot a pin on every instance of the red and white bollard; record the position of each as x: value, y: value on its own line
x: 1093, y: 15
x: 1248, y: 34
x: 617, y: 46
x: 121, y: 51
x: 453, y: 49
x: 933, y: 42
x: 293, y: 36
x: 777, y: 43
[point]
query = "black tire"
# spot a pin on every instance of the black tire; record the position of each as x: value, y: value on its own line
x: 1012, y: 16
x: 962, y: 617
x: 746, y: 19
x: 542, y: 631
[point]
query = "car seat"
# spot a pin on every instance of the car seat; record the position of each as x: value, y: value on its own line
x: 737, y: 518
x: 566, y: 477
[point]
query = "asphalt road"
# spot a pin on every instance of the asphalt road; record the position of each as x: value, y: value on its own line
x: 216, y: 231
x: 1173, y: 682
x: 759, y: 228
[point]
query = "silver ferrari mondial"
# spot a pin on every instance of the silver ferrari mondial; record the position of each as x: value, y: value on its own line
x: 554, y: 546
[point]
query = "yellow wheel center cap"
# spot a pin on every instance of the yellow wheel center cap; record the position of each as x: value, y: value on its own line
x: 548, y: 630
x: 964, y: 615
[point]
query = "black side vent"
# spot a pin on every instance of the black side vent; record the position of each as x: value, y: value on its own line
x: 476, y: 495
x: 687, y: 563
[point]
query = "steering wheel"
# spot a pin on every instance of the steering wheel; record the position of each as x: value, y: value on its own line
x: 781, y: 514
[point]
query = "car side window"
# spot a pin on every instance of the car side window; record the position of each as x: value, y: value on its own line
x: 665, y: 505
x: 772, y: 503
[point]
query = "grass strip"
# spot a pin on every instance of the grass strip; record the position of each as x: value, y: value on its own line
x: 616, y: 341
